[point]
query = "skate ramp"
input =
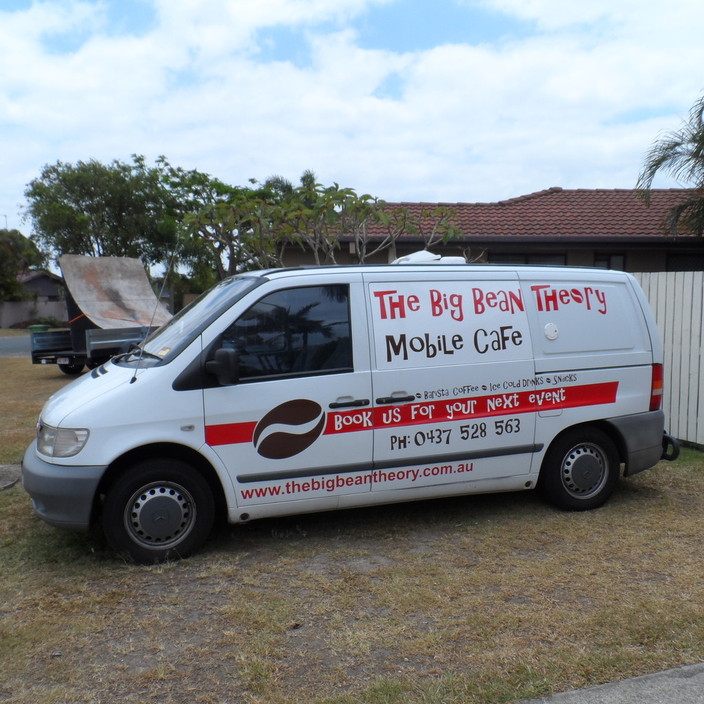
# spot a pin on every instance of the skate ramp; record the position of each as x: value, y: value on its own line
x: 112, y: 292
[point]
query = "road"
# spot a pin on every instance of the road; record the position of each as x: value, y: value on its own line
x: 14, y: 346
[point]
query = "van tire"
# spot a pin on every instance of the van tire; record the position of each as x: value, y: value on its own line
x: 73, y: 368
x: 580, y: 469
x: 158, y: 510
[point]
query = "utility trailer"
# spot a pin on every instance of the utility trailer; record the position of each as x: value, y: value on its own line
x: 111, y: 307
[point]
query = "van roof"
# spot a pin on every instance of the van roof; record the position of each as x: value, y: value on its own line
x: 430, y: 267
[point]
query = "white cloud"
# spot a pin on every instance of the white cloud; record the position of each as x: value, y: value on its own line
x: 224, y: 27
x: 576, y: 103
x: 610, y: 17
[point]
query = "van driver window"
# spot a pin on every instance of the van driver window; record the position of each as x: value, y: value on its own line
x: 296, y: 331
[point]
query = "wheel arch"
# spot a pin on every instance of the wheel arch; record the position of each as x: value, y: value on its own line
x: 607, y: 428
x: 162, y: 451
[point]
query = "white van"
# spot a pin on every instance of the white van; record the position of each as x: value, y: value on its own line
x: 297, y: 390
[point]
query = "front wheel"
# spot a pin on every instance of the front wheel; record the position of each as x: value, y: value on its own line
x: 158, y: 510
x: 580, y: 469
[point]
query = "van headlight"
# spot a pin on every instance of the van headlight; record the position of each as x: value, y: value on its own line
x: 60, y: 442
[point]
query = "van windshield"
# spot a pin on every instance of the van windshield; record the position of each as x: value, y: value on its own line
x: 173, y: 337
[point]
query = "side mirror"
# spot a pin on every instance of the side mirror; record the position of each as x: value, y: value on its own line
x: 225, y: 366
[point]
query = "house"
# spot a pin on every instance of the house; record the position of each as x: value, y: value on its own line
x: 44, y: 299
x: 42, y: 286
x: 578, y: 227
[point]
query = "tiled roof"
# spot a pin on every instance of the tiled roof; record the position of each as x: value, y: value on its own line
x: 560, y: 213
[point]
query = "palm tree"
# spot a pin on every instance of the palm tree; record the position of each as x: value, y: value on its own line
x: 681, y: 154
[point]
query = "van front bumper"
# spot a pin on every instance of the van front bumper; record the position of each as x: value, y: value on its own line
x: 61, y: 495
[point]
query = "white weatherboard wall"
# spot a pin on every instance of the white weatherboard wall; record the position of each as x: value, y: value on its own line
x: 676, y: 300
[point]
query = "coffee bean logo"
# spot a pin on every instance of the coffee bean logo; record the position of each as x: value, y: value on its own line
x: 274, y: 440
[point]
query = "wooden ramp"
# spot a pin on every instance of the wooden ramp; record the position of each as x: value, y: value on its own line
x: 112, y: 292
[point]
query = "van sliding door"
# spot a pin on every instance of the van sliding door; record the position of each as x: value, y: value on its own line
x: 452, y: 374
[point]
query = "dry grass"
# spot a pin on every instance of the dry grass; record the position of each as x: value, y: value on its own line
x: 478, y: 599
x: 25, y: 388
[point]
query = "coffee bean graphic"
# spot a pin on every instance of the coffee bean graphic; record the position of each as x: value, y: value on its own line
x: 282, y: 443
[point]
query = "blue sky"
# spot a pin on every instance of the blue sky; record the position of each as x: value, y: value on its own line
x: 408, y: 100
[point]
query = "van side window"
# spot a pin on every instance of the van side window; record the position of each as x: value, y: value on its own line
x: 292, y: 332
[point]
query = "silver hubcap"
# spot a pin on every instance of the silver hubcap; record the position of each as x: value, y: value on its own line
x: 584, y: 470
x: 160, y: 514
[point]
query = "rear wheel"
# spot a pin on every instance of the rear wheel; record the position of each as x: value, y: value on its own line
x: 158, y: 510
x: 580, y: 470
x: 72, y: 368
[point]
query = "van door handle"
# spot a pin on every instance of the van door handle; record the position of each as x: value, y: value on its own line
x: 353, y: 403
x: 395, y: 399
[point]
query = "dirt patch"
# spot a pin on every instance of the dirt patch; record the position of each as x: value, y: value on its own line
x: 9, y: 476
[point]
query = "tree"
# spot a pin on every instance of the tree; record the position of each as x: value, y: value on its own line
x: 166, y: 214
x: 190, y: 194
x: 251, y: 227
x: 680, y: 154
x: 316, y: 216
x: 387, y: 223
x: 240, y: 228
x: 17, y: 255
x: 114, y: 209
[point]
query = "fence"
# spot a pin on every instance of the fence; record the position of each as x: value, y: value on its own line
x: 676, y: 300
x: 13, y: 312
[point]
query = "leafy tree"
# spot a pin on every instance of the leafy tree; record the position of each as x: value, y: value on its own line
x: 240, y: 230
x: 387, y: 223
x: 132, y: 210
x: 251, y: 227
x: 190, y: 192
x: 167, y: 214
x: 163, y: 214
x: 681, y: 154
x: 316, y: 216
x: 17, y: 255
x: 114, y: 209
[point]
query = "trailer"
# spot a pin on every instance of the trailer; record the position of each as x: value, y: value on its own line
x: 110, y: 307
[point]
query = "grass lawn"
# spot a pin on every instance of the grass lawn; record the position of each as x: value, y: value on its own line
x: 25, y: 388
x: 482, y: 599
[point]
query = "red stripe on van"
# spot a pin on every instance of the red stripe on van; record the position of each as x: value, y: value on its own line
x: 503, y: 403
x: 446, y: 410
x: 229, y: 433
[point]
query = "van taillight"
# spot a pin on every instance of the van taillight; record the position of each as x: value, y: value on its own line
x: 656, y: 388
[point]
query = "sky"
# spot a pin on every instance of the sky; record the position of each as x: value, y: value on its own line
x: 406, y: 100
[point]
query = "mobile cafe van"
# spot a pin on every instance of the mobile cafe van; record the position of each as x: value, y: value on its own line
x: 312, y: 389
